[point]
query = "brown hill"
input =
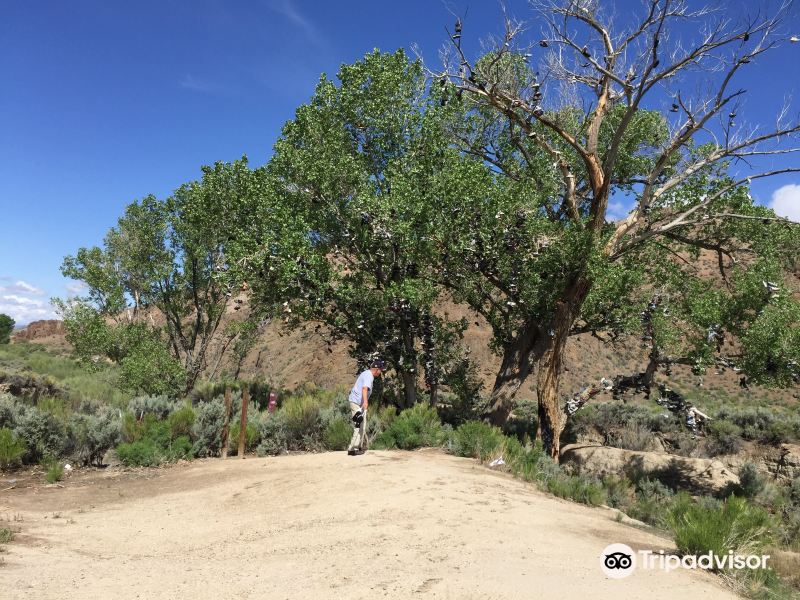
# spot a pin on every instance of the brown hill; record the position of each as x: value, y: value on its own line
x: 293, y: 358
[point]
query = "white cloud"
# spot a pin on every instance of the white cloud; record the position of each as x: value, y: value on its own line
x: 24, y: 310
x: 30, y: 289
x: 786, y: 201
x: 76, y: 288
x: 23, y: 302
x: 21, y: 287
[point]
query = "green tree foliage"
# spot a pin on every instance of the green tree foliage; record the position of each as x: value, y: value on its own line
x: 6, y: 327
x: 354, y: 165
x: 170, y: 259
x: 527, y: 240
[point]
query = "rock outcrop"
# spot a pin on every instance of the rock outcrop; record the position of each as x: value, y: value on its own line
x: 697, y: 475
x: 40, y: 329
x: 786, y: 462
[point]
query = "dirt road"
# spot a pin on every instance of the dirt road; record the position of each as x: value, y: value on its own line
x: 385, y: 525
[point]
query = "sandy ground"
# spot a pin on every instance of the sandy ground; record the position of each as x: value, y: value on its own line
x: 384, y: 525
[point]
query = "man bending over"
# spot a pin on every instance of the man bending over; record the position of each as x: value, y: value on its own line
x: 359, y: 400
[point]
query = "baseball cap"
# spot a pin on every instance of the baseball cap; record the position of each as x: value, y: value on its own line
x: 378, y: 364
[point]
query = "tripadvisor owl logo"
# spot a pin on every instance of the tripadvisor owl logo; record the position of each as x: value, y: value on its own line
x: 618, y: 561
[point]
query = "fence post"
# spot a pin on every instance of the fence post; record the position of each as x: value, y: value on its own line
x: 226, y: 422
x: 243, y: 424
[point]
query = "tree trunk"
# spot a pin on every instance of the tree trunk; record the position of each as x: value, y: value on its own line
x: 409, y: 388
x: 226, y: 422
x: 518, y: 359
x: 409, y: 379
x: 433, y: 394
x: 551, y: 350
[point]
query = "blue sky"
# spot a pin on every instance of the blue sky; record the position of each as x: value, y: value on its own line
x: 105, y: 102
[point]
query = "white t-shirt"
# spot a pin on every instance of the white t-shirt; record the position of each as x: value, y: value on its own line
x: 364, y: 381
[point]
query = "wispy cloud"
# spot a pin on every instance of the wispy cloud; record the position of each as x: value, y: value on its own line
x: 786, y: 201
x: 21, y: 300
x: 76, y: 288
x: 21, y: 287
x: 189, y: 82
x: 288, y: 9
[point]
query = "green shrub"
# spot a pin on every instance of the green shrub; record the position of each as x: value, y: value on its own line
x: 636, y: 436
x: 736, y: 526
x: 6, y: 535
x: 751, y: 482
x: 207, y: 428
x: 723, y: 438
x: 762, y: 424
x: 153, y: 441
x: 252, y: 437
x: 11, y: 449
x: 131, y: 430
x: 272, y: 428
x: 58, y: 407
x: 415, y: 427
x: 524, y: 461
x: 158, y: 406
x: 378, y: 420
x: 779, y: 432
x: 155, y: 446
x: 475, y: 439
x: 143, y: 453
x: 621, y: 425
x: 619, y: 491
x: 179, y: 448
x: 579, y: 488
x: 54, y: 470
x: 337, y: 434
x: 524, y: 420
x: 150, y: 368
x: 790, y: 530
x: 42, y: 434
x: 302, y: 419
x: 794, y: 490
x: 94, y: 435
x: 9, y: 410
x: 181, y: 421
x: 650, y: 503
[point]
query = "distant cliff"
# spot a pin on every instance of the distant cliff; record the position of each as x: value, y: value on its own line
x: 37, y: 330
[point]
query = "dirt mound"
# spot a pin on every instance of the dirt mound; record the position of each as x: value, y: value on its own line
x: 384, y: 525
x: 700, y: 475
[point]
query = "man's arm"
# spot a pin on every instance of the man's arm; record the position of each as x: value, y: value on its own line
x: 364, y: 398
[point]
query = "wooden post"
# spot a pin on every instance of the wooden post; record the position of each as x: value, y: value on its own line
x: 226, y: 422
x: 243, y: 424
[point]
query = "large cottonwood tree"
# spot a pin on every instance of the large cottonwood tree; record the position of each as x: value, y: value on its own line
x: 354, y: 164
x: 173, y: 255
x: 651, y: 109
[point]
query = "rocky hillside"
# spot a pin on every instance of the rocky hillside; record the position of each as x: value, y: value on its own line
x: 292, y: 358
x: 40, y: 331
